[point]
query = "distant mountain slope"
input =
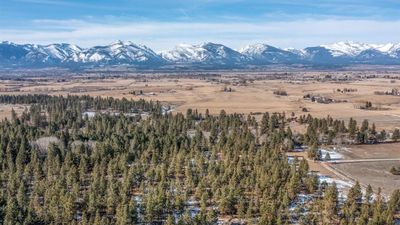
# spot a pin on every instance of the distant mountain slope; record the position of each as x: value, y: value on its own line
x: 121, y: 53
x: 208, y: 54
x: 66, y: 55
x: 266, y: 54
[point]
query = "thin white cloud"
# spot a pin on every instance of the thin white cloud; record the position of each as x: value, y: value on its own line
x: 165, y: 35
x: 71, y: 4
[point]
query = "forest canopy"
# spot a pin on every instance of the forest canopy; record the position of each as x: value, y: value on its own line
x: 61, y: 166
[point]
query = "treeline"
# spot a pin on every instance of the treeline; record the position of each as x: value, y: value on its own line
x: 167, y: 169
x: 83, y: 102
x: 357, y: 209
x: 331, y: 131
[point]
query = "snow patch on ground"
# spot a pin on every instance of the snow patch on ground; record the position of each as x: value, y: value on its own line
x: 89, y: 114
x: 290, y: 159
x: 300, y: 201
x: 342, y: 185
x: 333, y: 155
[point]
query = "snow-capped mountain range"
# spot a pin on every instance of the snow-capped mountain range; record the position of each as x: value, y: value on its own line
x: 208, y: 54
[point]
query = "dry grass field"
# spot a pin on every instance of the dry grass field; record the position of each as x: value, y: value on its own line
x: 374, y: 173
x: 378, y: 151
x: 5, y: 110
x: 254, y: 96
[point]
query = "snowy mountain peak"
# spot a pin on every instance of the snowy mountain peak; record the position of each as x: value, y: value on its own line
x: 126, y: 44
x: 390, y: 49
x: 300, y: 52
x: 255, y: 49
x: 209, y: 44
x: 349, y: 48
x: 353, y: 49
x: 184, y: 53
x: 121, y: 43
x: 267, y: 54
x: 207, y: 52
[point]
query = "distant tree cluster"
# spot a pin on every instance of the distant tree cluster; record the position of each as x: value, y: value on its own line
x: 322, y: 99
x: 394, y: 92
x: 280, y: 92
x: 346, y: 90
x: 140, y: 92
x: 369, y: 106
x: 227, y: 89
x: 395, y: 170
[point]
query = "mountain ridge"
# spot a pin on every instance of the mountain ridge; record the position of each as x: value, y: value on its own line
x: 206, y: 54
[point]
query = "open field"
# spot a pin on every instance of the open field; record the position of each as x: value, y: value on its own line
x: 5, y: 110
x: 376, y: 173
x: 379, y: 151
x: 249, y: 94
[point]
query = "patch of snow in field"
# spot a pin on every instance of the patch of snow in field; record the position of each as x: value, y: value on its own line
x: 340, y: 184
x: 290, y: 159
x: 138, y: 199
x: 333, y: 155
x: 194, y: 211
x: 166, y: 110
x: 300, y: 201
x: 89, y: 114
x: 192, y: 201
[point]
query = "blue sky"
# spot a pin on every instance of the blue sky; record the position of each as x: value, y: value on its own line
x: 163, y: 24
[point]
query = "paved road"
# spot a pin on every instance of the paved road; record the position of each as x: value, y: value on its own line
x: 360, y: 160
